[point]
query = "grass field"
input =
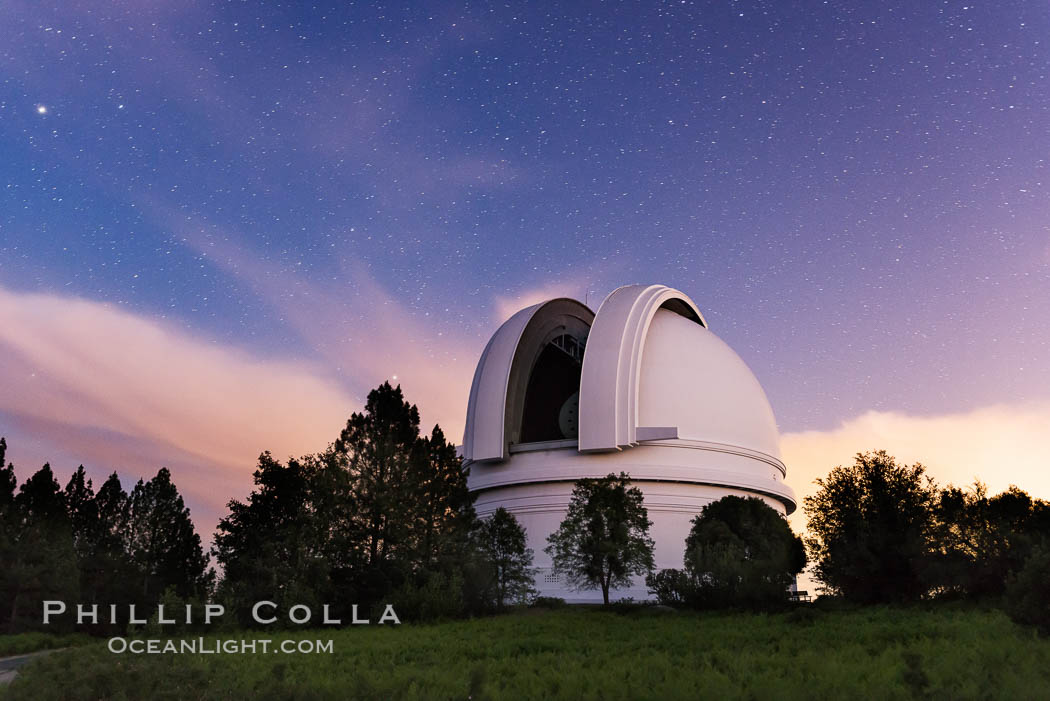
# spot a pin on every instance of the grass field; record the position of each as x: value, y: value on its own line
x: 882, y: 653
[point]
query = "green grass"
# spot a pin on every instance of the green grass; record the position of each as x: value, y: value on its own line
x: 31, y: 642
x: 884, y: 653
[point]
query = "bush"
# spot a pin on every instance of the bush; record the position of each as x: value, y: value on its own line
x: 1028, y: 593
x: 671, y: 587
x: 548, y: 602
x: 439, y: 596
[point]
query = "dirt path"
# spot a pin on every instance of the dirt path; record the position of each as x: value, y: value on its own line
x: 9, y: 665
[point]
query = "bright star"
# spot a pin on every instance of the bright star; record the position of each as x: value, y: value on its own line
x: 41, y: 109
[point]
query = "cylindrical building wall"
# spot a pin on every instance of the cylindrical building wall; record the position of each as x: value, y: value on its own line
x: 540, y: 506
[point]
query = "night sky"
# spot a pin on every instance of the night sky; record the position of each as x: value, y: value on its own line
x: 219, y: 219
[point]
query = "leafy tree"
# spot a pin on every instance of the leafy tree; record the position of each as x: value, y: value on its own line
x: 507, y: 559
x: 980, y: 541
x: 742, y: 552
x: 162, y: 542
x: 604, y: 539
x: 672, y: 587
x: 870, y: 526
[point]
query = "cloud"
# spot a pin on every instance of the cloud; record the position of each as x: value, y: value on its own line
x: 109, y: 385
x: 1000, y: 445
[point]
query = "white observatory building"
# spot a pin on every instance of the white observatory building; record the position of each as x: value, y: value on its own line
x: 642, y: 387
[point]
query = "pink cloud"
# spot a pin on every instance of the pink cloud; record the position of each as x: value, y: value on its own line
x: 100, y: 380
x: 999, y: 445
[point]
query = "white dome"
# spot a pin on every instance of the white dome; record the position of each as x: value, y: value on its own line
x: 692, y: 380
x: 642, y: 387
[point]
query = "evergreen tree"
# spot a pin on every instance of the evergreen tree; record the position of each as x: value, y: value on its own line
x: 378, y: 447
x: 112, y: 506
x: 507, y: 559
x: 408, y: 512
x: 162, y: 542
x: 44, y: 565
x: 112, y: 577
x: 383, y: 510
x: 83, y: 513
x: 443, y: 506
x: 9, y: 524
x: 604, y: 539
x: 273, y: 546
x: 82, y: 510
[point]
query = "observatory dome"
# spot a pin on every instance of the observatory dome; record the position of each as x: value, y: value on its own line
x: 643, y: 386
x: 691, y: 379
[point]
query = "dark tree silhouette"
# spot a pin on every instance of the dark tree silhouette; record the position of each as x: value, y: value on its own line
x: 1028, y: 591
x: 112, y: 506
x: 9, y: 526
x: 44, y: 566
x: 162, y: 542
x: 870, y: 526
x: 82, y: 509
x: 506, y: 558
x: 604, y: 539
x: 382, y: 509
x: 980, y: 541
x: 111, y: 577
x: 83, y: 512
x: 409, y: 511
x: 444, y: 508
x: 273, y: 546
x: 8, y: 481
x: 378, y: 447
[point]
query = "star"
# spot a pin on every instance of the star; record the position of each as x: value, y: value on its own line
x: 41, y: 109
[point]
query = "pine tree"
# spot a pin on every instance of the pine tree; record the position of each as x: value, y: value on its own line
x: 114, y: 577
x: 444, y: 510
x: 162, y: 542
x: 378, y: 447
x: 8, y: 534
x: 44, y: 566
x: 274, y: 545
